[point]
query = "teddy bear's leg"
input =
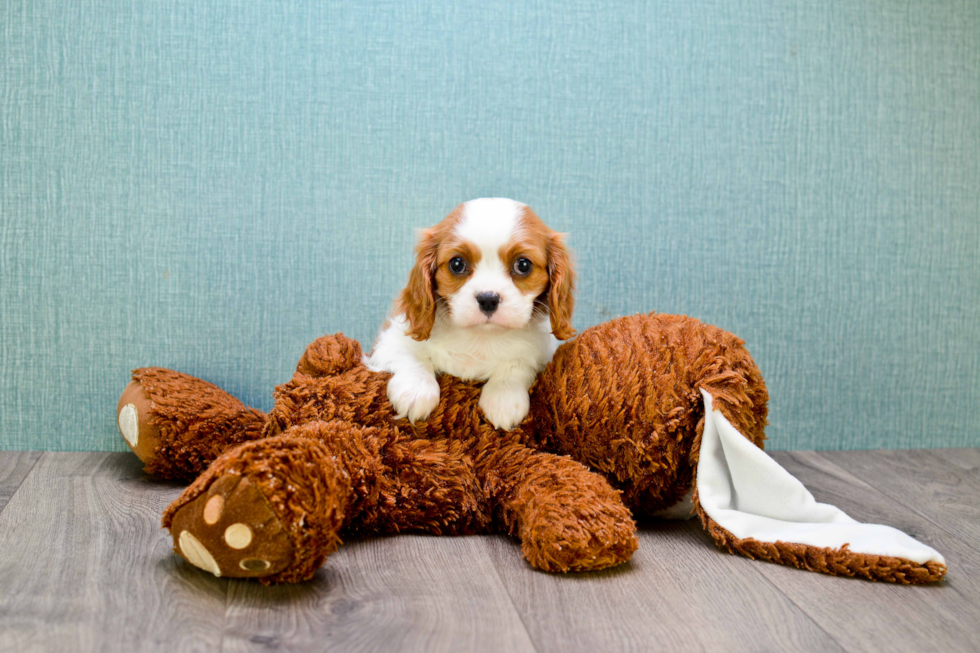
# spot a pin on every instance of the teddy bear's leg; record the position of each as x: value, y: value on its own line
x: 567, y: 517
x: 272, y: 509
x: 177, y: 424
x: 427, y: 486
x: 269, y: 509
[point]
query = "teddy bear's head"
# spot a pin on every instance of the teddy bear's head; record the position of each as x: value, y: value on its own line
x: 330, y: 356
x: 331, y: 383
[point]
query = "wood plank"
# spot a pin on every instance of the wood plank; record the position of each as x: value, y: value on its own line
x: 404, y: 593
x: 85, y: 566
x: 923, y: 482
x: 14, y: 467
x: 678, y: 593
x: 865, y: 616
x: 965, y: 462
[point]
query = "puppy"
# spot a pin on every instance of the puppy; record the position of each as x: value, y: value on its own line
x: 489, y: 299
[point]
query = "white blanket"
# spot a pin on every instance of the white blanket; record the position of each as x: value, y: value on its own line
x: 748, y: 494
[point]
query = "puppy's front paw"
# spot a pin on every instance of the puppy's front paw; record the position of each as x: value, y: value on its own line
x: 505, y: 406
x: 413, y: 395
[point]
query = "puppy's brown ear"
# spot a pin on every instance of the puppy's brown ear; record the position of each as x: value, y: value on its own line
x: 561, y: 279
x: 418, y: 300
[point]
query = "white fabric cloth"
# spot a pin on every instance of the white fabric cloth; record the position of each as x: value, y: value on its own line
x: 750, y: 495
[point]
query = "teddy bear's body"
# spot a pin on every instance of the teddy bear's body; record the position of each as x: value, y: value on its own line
x: 271, y: 494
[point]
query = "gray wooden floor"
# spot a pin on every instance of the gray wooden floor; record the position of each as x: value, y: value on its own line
x: 85, y: 566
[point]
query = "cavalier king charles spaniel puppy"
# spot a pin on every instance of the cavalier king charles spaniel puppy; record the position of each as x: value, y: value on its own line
x: 489, y: 299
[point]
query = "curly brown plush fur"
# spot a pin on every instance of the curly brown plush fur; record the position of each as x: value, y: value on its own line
x: 630, y: 406
x: 274, y: 493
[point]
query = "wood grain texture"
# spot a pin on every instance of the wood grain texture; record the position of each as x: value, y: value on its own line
x: 925, y: 483
x: 963, y: 462
x: 14, y: 467
x: 403, y: 593
x: 85, y: 566
x: 866, y: 616
x: 677, y: 593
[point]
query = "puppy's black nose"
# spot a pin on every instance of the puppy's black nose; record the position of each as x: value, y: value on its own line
x: 488, y: 302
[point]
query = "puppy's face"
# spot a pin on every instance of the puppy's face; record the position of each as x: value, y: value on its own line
x: 492, y: 264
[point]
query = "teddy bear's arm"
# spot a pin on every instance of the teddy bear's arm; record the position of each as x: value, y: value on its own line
x: 567, y: 517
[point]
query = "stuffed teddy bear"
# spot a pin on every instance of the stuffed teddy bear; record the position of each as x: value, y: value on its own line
x: 618, y: 423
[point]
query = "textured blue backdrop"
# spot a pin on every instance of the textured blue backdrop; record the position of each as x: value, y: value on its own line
x: 209, y: 185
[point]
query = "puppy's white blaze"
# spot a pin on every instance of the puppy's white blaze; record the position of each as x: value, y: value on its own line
x: 490, y: 223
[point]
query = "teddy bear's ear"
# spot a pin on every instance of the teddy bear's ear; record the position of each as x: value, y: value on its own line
x: 418, y: 300
x: 329, y: 355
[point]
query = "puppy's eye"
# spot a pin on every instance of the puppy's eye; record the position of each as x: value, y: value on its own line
x: 522, y: 267
x: 457, y: 265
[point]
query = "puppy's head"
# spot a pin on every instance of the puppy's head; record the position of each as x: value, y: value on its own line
x: 491, y: 264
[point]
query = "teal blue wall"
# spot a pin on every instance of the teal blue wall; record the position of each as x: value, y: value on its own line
x: 208, y: 185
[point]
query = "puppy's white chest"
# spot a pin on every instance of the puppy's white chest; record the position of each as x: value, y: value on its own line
x: 475, y: 357
x: 470, y: 363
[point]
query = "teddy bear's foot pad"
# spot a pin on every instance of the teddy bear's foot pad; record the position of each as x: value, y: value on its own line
x: 230, y: 530
x: 132, y: 415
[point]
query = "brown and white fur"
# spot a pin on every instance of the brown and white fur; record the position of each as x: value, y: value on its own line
x: 475, y: 309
